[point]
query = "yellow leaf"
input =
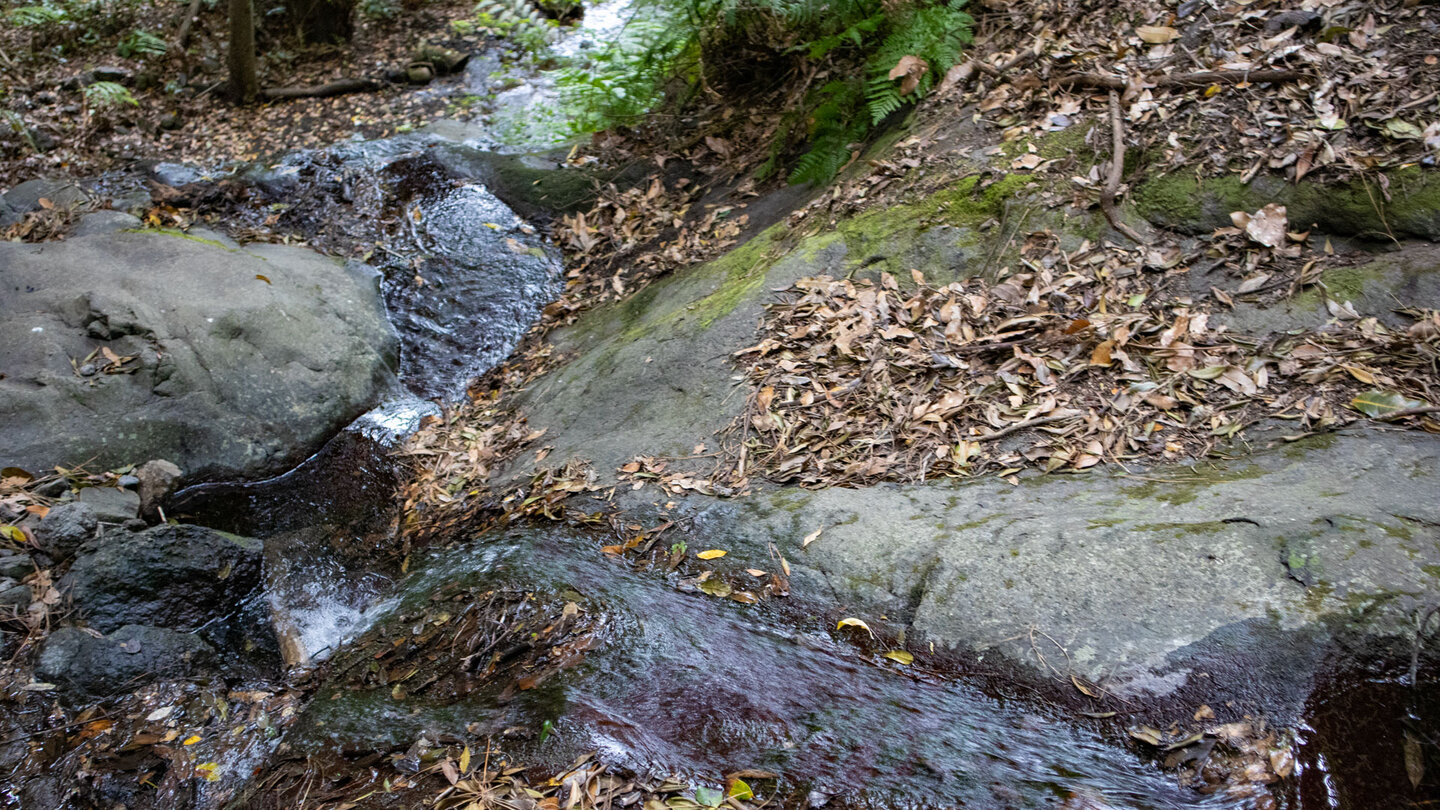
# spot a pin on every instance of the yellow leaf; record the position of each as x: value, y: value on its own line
x: 855, y: 623
x: 901, y: 656
x: 465, y: 760
x: 209, y: 770
x: 14, y: 534
x: 811, y: 537
x: 712, y: 554
x: 191, y: 740
x: 263, y: 278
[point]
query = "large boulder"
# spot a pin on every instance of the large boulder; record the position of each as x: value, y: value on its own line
x: 174, y: 576
x: 118, y: 663
x: 124, y: 346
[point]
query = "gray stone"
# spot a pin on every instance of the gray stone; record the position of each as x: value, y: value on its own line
x: 178, y: 577
x: 26, y: 197
x: 157, y: 478
x: 65, y: 527
x: 14, y: 598
x: 111, y: 504
x: 233, y: 376
x: 175, y: 174
x: 118, y: 663
x: 102, y: 222
x: 1134, y: 576
x: 16, y: 566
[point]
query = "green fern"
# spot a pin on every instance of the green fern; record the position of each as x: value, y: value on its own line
x: 35, y: 15
x: 937, y: 34
x: 837, y: 122
x: 108, y: 94
x: 142, y: 44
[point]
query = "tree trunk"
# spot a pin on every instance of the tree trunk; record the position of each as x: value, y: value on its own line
x: 244, y: 84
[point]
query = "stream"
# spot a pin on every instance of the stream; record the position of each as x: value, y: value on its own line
x: 657, y: 680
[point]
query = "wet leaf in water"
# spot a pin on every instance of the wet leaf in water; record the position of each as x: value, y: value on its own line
x: 851, y: 622
x: 1148, y: 735
x: 741, y: 791
x: 716, y: 587
x: 901, y: 657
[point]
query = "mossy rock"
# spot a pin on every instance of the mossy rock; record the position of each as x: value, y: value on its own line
x: 1357, y: 207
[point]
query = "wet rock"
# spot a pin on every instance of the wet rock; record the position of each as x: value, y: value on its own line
x: 304, y: 350
x: 178, y: 577
x: 102, y: 222
x: 16, y: 566
x: 65, y: 527
x: 102, y: 73
x: 26, y: 197
x: 157, y: 479
x: 175, y: 175
x: 14, y: 598
x: 81, y: 663
x: 111, y: 504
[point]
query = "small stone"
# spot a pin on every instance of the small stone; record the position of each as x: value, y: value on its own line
x: 158, y: 478
x: 65, y: 527
x: 87, y: 370
x: 127, y: 482
x: 111, y: 505
x: 16, y: 566
x: 171, y: 121
x: 420, y: 73
x: 14, y: 598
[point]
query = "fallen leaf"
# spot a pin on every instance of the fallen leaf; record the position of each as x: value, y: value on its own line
x: 1376, y: 404
x: 712, y: 554
x: 900, y: 656
x: 855, y: 623
x: 810, y: 538
x: 1157, y: 34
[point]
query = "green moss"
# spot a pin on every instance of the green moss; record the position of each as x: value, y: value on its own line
x: 1357, y: 206
x: 178, y: 234
x: 897, y: 238
x: 1067, y: 142
x: 1185, y: 488
x: 741, y: 273
x: 1182, y: 529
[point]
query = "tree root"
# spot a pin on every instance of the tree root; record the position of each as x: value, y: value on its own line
x: 336, y: 88
x: 1201, y: 79
x: 1117, y: 168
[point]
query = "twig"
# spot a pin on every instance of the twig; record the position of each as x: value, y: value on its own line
x: 1401, y: 414
x: 1201, y: 79
x: 1003, y: 432
x: 1117, y: 169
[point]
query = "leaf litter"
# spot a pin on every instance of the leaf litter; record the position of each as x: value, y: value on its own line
x: 1083, y: 357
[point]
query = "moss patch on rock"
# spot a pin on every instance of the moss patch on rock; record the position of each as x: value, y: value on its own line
x: 1407, y: 205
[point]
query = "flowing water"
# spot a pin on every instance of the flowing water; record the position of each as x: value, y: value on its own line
x: 666, y: 681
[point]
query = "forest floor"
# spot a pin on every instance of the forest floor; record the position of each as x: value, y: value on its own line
x: 177, y: 111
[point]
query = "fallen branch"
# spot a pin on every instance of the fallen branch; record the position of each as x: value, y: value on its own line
x: 183, y: 38
x: 1201, y: 79
x: 1117, y: 169
x: 961, y: 75
x: 336, y: 88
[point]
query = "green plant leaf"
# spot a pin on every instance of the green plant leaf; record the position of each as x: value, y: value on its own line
x: 1376, y: 404
x: 709, y: 797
